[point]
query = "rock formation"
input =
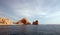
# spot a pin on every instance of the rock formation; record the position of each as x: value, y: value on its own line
x: 23, y: 21
x: 5, y: 21
x: 35, y: 22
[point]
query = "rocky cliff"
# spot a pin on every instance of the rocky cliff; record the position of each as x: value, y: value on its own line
x: 5, y: 21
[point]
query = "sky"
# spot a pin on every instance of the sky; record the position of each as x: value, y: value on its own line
x: 45, y: 11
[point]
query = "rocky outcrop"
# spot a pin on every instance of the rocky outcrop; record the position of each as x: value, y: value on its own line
x: 5, y: 21
x: 23, y: 21
x: 35, y: 22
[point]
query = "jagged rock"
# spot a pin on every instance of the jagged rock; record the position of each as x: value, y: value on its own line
x: 1, y: 20
x: 24, y: 21
x: 5, y: 21
x: 35, y: 22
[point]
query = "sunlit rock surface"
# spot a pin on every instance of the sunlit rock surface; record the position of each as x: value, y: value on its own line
x: 5, y: 21
x: 23, y: 21
x: 35, y: 22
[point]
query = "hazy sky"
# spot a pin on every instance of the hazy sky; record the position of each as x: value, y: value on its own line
x: 46, y: 11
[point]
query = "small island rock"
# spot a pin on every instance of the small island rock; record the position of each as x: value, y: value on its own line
x: 35, y: 22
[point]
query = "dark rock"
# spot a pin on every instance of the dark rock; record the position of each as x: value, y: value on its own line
x: 35, y: 22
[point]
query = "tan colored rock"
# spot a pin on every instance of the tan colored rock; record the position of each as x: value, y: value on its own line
x: 5, y: 21
x: 35, y: 22
x: 1, y: 20
x: 24, y: 21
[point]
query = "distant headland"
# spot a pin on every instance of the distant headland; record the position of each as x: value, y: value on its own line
x: 23, y: 21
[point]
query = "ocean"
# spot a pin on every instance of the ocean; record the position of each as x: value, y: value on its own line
x: 30, y: 30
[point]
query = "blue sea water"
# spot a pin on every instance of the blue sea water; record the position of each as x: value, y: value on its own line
x: 30, y: 30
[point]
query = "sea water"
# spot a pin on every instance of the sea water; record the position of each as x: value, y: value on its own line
x: 30, y: 30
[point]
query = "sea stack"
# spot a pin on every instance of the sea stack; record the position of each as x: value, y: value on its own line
x: 5, y: 21
x: 23, y: 21
x: 35, y: 22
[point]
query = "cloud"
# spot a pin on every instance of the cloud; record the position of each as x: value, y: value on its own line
x: 44, y: 10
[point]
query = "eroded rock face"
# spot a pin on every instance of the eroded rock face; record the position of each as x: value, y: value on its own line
x: 5, y: 21
x: 35, y: 22
x: 1, y: 20
x: 24, y: 21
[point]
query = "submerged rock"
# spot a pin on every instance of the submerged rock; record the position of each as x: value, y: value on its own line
x: 35, y: 22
